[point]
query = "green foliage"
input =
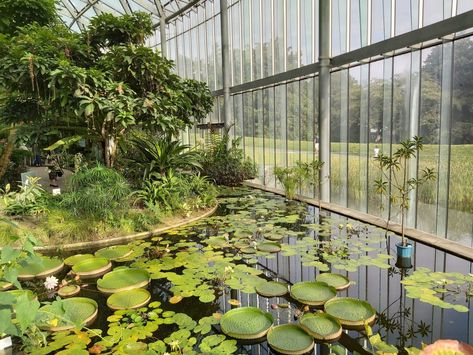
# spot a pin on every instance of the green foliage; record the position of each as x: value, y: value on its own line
x: 395, y: 183
x: 175, y: 192
x: 162, y: 154
x: 223, y: 161
x: 441, y: 289
x: 299, y: 176
x: 19, y: 13
x: 29, y: 200
x: 107, y: 30
x: 97, y: 192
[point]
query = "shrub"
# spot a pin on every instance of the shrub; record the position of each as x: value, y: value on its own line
x: 177, y: 192
x: 97, y: 192
x: 224, y: 163
x: 29, y: 200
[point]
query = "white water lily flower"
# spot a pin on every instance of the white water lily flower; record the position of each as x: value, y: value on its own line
x: 228, y: 269
x: 51, y: 282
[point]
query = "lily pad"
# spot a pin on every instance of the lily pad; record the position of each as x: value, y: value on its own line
x: 129, y: 299
x: 92, y: 267
x: 122, y: 280
x: 321, y: 326
x: 313, y: 293
x: 351, y: 312
x: 271, y: 289
x: 290, y: 339
x: 246, y: 323
x: 41, y: 269
x: 68, y: 291
x: 4, y: 285
x: 74, y: 259
x: 338, y: 281
x: 114, y: 252
x: 70, y: 313
x: 248, y: 250
x: 269, y: 247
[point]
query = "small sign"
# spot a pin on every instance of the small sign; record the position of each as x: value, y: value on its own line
x: 56, y: 191
x: 25, y: 177
x: 5, y: 343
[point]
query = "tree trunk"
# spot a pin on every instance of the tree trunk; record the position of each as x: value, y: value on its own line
x: 110, y: 151
x: 7, y: 150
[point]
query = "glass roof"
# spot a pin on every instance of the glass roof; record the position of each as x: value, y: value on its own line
x: 76, y: 14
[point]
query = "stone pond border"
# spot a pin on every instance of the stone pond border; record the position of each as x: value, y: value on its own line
x: 126, y: 238
x: 432, y: 240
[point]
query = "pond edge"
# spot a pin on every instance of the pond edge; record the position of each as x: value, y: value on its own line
x: 126, y: 238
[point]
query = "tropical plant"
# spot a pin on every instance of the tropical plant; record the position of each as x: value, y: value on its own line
x: 299, y: 176
x: 30, y: 199
x: 223, y: 161
x: 395, y: 183
x: 162, y: 154
x: 96, y: 192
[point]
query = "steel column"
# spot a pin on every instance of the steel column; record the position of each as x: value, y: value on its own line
x: 226, y: 68
x: 324, y: 98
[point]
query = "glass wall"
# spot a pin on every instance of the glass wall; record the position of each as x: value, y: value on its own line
x: 375, y: 103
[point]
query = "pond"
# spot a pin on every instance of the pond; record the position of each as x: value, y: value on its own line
x: 200, y: 272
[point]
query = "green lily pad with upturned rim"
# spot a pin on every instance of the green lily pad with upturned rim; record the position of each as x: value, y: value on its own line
x: 290, y: 339
x: 129, y: 299
x: 79, y: 310
x: 338, y: 281
x: 248, y: 250
x: 69, y: 291
x: 114, y: 252
x: 312, y: 293
x: 246, y: 323
x: 271, y: 289
x: 123, y: 279
x: 92, y: 267
x: 40, y: 269
x: 74, y: 259
x: 352, y: 313
x: 269, y: 247
x: 322, y: 326
x: 4, y: 285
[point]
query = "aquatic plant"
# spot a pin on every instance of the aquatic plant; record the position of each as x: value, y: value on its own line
x: 129, y: 299
x: 312, y: 292
x: 352, y: 313
x: 441, y: 289
x: 246, y: 323
x: 321, y: 326
x: 123, y: 279
x: 290, y: 339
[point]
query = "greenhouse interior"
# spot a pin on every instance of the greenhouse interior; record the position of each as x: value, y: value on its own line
x: 236, y: 177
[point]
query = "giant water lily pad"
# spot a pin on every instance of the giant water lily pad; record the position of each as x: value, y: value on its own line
x: 313, y: 293
x: 69, y: 313
x: 92, y: 267
x: 69, y: 291
x: 271, y: 289
x: 4, y: 285
x: 338, y: 281
x: 269, y: 247
x: 74, y: 259
x: 290, y: 339
x: 114, y: 252
x: 129, y: 299
x: 42, y: 268
x: 246, y: 323
x: 321, y: 326
x: 351, y: 312
x: 123, y: 279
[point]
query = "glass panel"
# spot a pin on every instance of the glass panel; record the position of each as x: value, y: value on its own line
x: 258, y: 133
x: 256, y: 34
x: 339, y: 26
x: 380, y: 20
x: 292, y: 46
x: 307, y: 32
x: 280, y: 118
x: 236, y: 43
x: 433, y: 11
x: 279, y: 37
x: 267, y: 19
x: 464, y: 6
x: 218, y: 52
x: 460, y: 221
x: 293, y: 106
x: 269, y: 142
x: 246, y: 35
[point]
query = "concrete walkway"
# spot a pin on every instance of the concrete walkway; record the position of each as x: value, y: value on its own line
x: 42, y: 172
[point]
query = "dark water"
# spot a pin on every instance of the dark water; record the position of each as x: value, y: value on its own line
x: 399, y: 318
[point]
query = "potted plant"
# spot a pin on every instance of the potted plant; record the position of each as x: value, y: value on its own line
x: 396, y: 184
